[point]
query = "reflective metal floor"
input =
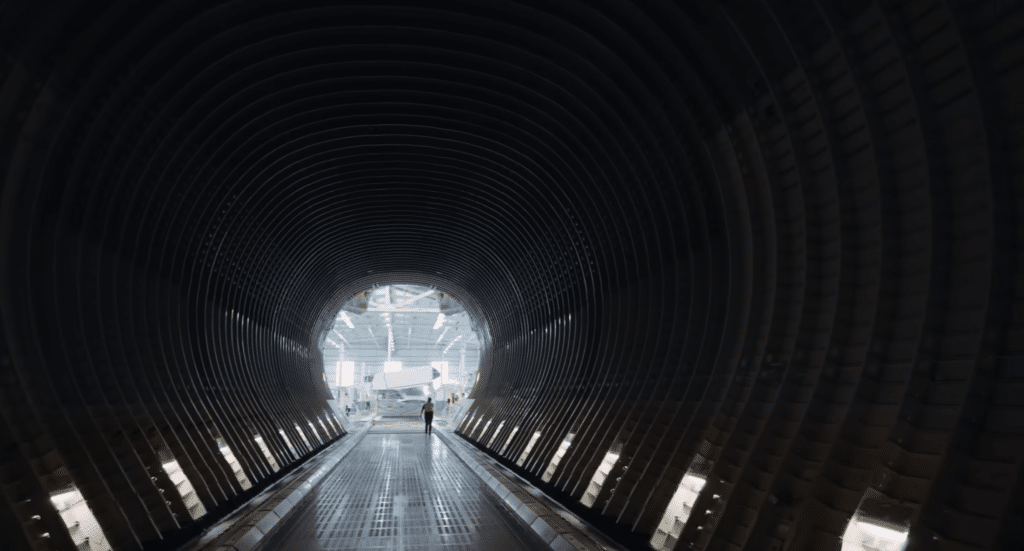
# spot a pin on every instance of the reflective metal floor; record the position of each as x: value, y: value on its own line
x: 399, y: 425
x: 400, y: 491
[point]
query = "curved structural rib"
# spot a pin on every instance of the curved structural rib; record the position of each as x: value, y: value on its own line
x: 775, y: 245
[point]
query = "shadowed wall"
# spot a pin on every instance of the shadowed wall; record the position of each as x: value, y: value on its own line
x: 783, y: 237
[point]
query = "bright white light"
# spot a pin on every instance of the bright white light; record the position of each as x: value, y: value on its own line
x: 185, y: 489
x: 529, y: 447
x: 229, y: 456
x: 392, y: 366
x: 678, y: 511
x: 344, y: 317
x: 302, y: 435
x: 450, y: 344
x: 863, y: 535
x: 348, y: 373
x: 266, y: 453
x: 77, y: 516
x: 597, y: 481
x: 494, y: 436
x: 557, y: 458
x: 882, y: 531
x: 866, y: 532
x: 509, y: 439
x: 440, y: 320
x: 426, y: 389
x: 288, y: 442
x: 695, y: 482
x: 386, y: 305
x: 66, y: 499
x: 414, y: 376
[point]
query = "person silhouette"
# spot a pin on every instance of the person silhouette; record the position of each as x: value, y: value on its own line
x: 428, y: 415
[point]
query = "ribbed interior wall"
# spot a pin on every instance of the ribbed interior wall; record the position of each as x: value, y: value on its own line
x: 784, y: 236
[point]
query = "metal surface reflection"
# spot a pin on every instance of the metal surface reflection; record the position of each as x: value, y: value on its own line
x: 398, y: 491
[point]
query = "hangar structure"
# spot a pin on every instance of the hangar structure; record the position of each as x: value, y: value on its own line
x: 745, y: 274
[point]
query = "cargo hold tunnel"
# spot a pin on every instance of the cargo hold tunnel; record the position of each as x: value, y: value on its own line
x: 741, y: 274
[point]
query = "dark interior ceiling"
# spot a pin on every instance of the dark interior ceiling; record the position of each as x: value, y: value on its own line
x: 783, y: 237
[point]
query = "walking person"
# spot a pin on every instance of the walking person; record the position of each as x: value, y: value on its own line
x: 428, y: 415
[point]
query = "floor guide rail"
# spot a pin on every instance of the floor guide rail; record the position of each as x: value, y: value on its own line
x: 243, y: 529
x: 387, y: 486
x: 400, y: 491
